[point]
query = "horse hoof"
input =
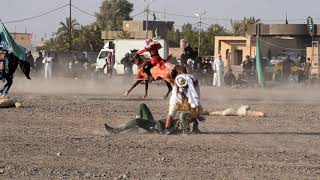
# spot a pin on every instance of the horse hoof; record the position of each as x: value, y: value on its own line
x: 126, y: 93
x: 144, y: 97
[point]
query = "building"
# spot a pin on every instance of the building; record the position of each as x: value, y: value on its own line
x: 23, y: 39
x: 137, y: 30
x: 274, y: 39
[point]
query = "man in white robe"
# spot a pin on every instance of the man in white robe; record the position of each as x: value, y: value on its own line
x: 47, y: 61
x: 218, y: 67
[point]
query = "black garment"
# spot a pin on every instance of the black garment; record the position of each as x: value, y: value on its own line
x: 147, y: 69
x: 183, y: 60
x: 229, y: 79
x: 247, y: 65
x: 188, y: 51
x: 30, y: 59
x: 38, y: 64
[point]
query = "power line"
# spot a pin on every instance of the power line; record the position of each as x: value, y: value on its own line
x: 34, y: 17
x: 274, y: 45
x: 139, y: 13
x: 85, y: 12
x: 228, y: 19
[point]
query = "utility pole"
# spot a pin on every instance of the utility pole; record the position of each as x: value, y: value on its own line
x: 200, y: 28
x: 147, y: 30
x: 70, y: 28
x: 147, y: 22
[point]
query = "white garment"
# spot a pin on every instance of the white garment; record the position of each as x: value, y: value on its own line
x: 192, y: 92
x: 218, y: 67
x: 47, y: 61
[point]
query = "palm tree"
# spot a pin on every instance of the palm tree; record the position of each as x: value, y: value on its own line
x: 241, y: 27
x: 63, y: 31
x: 235, y: 28
x: 246, y: 22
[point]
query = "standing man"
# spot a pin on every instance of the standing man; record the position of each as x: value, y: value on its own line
x: 185, y: 100
x: 47, y: 61
x: 247, y: 66
x: 109, y: 63
x: 38, y: 62
x: 30, y: 59
x: 218, y: 67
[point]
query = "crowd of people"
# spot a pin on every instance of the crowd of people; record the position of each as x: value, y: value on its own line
x: 49, y: 64
x: 211, y: 71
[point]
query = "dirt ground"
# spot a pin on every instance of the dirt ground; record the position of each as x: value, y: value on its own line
x: 59, y: 134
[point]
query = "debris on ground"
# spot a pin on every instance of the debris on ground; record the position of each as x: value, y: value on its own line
x: 9, y: 103
x: 243, y: 110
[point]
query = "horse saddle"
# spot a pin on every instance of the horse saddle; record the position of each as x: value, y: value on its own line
x: 159, y: 73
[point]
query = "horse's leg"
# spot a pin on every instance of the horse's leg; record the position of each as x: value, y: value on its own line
x: 146, y: 89
x: 169, y: 89
x: 5, y: 89
x: 133, y: 86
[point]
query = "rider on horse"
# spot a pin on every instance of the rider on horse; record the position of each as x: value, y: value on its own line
x: 155, y: 60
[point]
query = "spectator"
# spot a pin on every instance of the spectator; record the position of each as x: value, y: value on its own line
x: 218, y: 67
x: 47, y: 61
x: 247, y: 66
x: 38, y: 62
x: 183, y: 60
x: 229, y: 78
x: 30, y: 59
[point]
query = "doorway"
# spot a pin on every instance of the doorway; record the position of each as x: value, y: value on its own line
x: 238, y: 57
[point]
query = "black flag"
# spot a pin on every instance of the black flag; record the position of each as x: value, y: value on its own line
x: 154, y: 17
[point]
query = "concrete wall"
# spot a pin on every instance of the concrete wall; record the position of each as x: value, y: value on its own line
x: 247, y: 45
x: 282, y: 30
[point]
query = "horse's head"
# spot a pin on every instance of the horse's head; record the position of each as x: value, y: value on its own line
x: 136, y: 58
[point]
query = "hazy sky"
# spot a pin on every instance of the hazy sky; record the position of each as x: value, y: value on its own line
x: 224, y: 9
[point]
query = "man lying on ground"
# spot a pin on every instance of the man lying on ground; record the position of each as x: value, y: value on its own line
x: 145, y: 120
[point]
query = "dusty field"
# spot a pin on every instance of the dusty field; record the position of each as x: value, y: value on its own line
x: 59, y: 134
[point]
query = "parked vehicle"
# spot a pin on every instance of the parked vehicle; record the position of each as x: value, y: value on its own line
x: 120, y: 47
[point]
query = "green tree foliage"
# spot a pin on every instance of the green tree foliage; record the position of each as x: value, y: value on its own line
x: 239, y: 28
x: 112, y: 13
x: 191, y: 35
x: 61, y: 41
x: 88, y: 38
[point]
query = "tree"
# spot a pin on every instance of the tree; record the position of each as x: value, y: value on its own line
x: 235, y: 28
x: 63, y: 36
x: 209, y: 38
x: 191, y: 35
x: 239, y: 28
x: 246, y: 22
x: 88, y: 38
x: 123, y: 35
x: 113, y: 13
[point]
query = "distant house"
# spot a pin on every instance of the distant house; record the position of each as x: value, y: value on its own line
x: 137, y: 29
x: 22, y: 39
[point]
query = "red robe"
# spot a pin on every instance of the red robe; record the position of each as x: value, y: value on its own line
x: 155, y: 59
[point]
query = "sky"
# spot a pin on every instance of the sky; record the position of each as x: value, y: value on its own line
x: 269, y: 11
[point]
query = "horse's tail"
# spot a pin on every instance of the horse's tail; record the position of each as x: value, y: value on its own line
x: 24, y: 66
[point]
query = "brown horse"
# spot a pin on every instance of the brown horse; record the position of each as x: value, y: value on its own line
x: 168, y: 75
